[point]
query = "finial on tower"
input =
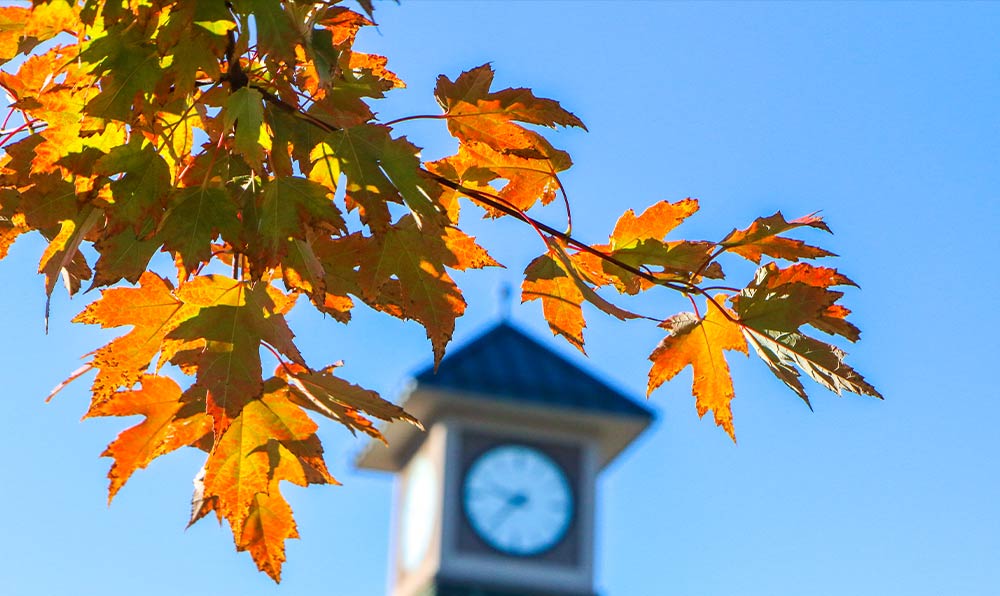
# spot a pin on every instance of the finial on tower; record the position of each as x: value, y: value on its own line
x: 506, y: 295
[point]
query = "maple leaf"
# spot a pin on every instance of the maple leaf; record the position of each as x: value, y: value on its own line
x: 824, y: 363
x: 473, y: 87
x: 271, y: 440
x: 545, y: 279
x: 197, y: 216
x: 276, y: 33
x: 785, y: 299
x: 762, y: 238
x: 141, y: 189
x: 62, y: 257
x: 152, y: 310
x: 288, y: 207
x: 124, y: 255
x: 245, y: 111
x: 127, y: 65
x: 699, y: 343
x: 529, y: 180
x: 222, y: 342
x: 170, y: 423
x: 22, y: 29
x: 484, y: 122
x: 323, y: 268
x: 654, y: 224
x: 337, y: 399
x: 268, y: 525
x: 12, y: 24
x: 193, y: 35
x: 405, y: 267
x: 381, y: 170
x: 777, y: 303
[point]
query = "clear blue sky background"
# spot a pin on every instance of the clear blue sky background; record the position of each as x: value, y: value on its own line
x: 885, y: 116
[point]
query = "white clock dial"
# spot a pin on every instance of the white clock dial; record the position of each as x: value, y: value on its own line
x: 518, y: 500
x: 418, y: 514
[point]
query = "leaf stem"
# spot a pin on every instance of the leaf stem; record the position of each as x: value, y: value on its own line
x: 421, y: 117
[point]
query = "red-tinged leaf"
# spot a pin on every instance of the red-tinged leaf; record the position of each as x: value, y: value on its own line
x: 9, y: 231
x: 822, y: 362
x: 654, y: 223
x: 377, y: 66
x: 22, y: 29
x: 170, y: 423
x: 478, y: 117
x: 528, y: 180
x: 12, y: 23
x: 700, y: 343
x: 762, y: 238
x: 302, y: 270
x: 515, y: 104
x: 584, y: 285
x: 464, y: 253
x: 833, y: 321
x: 546, y: 280
x: 820, y: 277
x: 773, y: 302
x: 343, y: 22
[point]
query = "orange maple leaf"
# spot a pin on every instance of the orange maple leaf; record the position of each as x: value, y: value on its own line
x: 271, y: 440
x: 545, y: 279
x: 152, y: 310
x: 762, y: 238
x: 700, y: 344
x: 171, y: 423
x: 654, y: 224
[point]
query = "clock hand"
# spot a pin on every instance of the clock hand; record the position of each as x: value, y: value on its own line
x: 514, y: 502
x: 500, y: 492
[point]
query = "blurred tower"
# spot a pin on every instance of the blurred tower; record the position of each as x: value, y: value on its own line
x: 497, y: 497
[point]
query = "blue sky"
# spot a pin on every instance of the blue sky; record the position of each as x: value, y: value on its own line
x: 882, y: 115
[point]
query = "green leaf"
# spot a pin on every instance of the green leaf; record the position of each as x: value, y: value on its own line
x: 245, y: 110
x: 381, y: 169
x: 140, y: 191
x: 123, y: 256
x: 128, y: 65
x: 197, y: 217
x: 276, y: 33
x: 289, y: 206
x: 820, y: 361
x: 762, y: 238
x: 226, y: 348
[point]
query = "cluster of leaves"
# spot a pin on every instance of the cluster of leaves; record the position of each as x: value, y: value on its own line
x: 238, y: 136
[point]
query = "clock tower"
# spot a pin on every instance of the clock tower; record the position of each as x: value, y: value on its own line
x: 497, y: 497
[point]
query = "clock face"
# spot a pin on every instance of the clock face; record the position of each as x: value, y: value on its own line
x: 518, y: 500
x: 418, y: 515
